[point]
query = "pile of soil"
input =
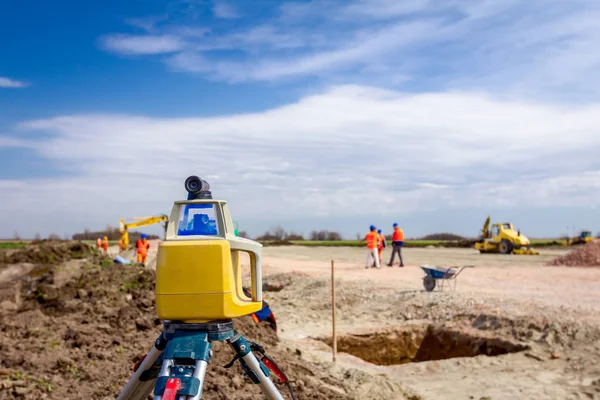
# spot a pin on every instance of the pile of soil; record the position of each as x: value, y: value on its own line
x: 48, y: 252
x: 463, y: 244
x: 80, y: 339
x: 587, y: 255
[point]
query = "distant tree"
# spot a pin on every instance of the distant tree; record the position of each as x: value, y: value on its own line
x: 16, y: 236
x: 112, y: 234
x: 359, y: 236
x: 279, y: 233
x: 334, y: 236
x: 294, y: 236
x: 266, y: 236
x: 53, y: 236
x: 37, y: 236
x: 243, y: 234
x: 325, y: 235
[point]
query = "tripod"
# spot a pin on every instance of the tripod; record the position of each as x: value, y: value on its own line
x: 176, y: 365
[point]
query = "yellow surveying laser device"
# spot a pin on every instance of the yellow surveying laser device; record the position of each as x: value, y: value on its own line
x: 198, y: 270
x: 198, y: 293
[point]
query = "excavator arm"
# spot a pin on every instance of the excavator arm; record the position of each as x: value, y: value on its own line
x: 485, y: 232
x: 140, y: 221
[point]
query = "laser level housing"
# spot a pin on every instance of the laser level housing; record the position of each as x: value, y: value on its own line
x: 198, y: 270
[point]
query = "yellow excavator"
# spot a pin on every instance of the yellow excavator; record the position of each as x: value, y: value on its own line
x: 583, y: 238
x: 139, y: 221
x: 504, y: 239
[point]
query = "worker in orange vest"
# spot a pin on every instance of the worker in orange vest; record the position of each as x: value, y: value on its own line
x: 99, y: 243
x: 380, y: 244
x: 142, y: 247
x: 397, y: 243
x: 372, y: 239
x: 105, y: 244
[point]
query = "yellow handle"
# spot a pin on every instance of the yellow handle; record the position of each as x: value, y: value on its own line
x: 255, y: 267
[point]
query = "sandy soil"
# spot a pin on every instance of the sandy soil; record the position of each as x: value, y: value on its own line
x: 513, y: 328
x: 555, y: 311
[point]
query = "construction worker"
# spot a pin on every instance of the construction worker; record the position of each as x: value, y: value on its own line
x: 397, y: 243
x: 372, y: 239
x: 142, y: 247
x: 121, y: 245
x: 99, y: 243
x: 380, y: 244
x: 105, y: 244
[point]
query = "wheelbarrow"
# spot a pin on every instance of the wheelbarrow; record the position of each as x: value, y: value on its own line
x: 442, y: 274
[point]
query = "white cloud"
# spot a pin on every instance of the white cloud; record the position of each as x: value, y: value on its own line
x: 327, y: 155
x: 12, y: 142
x: 224, y: 10
x: 143, y: 44
x: 11, y: 83
x: 528, y: 49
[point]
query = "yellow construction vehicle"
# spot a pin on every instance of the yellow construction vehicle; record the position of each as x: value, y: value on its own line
x: 583, y: 238
x: 504, y: 239
x: 139, y: 221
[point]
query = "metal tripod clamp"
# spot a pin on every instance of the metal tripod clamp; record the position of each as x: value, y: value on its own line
x: 242, y: 348
x: 186, y: 345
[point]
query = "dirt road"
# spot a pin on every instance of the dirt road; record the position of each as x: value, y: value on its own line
x: 555, y: 312
x: 515, y: 277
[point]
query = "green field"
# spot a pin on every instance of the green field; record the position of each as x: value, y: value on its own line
x: 9, y: 244
x: 356, y: 243
x: 408, y: 243
x: 13, y: 245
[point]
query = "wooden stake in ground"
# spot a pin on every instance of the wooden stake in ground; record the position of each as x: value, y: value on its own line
x: 334, y: 338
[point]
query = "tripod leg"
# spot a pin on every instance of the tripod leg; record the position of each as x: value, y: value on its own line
x: 165, y: 370
x: 136, y: 389
x: 199, y: 373
x: 242, y: 348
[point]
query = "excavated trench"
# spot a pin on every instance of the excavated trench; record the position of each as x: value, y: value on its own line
x: 418, y: 343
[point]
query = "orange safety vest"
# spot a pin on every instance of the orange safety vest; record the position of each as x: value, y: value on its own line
x: 398, y: 235
x: 142, y: 246
x: 371, y: 240
x: 381, y: 241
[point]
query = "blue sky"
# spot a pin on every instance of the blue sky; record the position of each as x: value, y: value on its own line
x: 325, y: 114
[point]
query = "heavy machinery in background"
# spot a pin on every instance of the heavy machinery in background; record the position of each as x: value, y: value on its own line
x: 145, y: 221
x: 504, y: 239
x: 139, y: 221
x: 583, y: 238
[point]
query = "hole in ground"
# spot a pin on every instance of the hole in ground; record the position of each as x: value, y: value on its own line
x: 421, y: 343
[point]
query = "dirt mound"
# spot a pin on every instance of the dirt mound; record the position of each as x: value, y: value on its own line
x: 80, y: 339
x: 48, y: 252
x: 462, y: 243
x: 587, y: 255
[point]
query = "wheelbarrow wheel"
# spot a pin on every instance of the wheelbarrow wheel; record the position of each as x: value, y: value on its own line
x: 429, y: 283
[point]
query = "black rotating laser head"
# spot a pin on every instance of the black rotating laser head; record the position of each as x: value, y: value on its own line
x: 197, y: 188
